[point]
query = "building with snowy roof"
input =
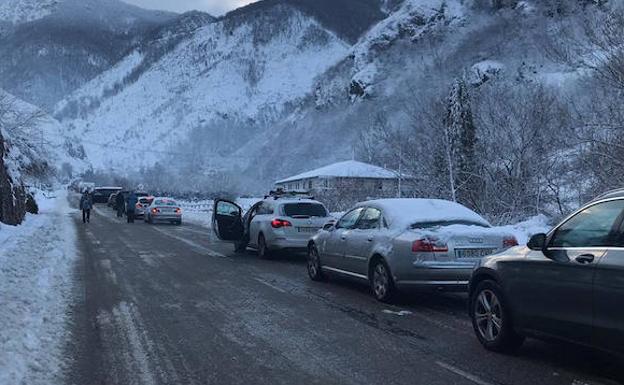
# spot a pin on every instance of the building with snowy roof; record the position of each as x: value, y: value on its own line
x: 346, y: 177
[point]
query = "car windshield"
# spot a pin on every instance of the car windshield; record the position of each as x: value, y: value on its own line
x: 433, y: 224
x: 166, y: 202
x: 305, y: 210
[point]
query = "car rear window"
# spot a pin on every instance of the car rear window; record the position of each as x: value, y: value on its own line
x: 145, y: 201
x: 305, y: 210
x: 166, y: 202
x: 430, y: 225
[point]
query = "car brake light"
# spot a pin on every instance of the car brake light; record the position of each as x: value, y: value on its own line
x: 510, y: 242
x: 155, y: 210
x: 278, y: 223
x: 178, y: 210
x: 138, y: 206
x: 428, y: 246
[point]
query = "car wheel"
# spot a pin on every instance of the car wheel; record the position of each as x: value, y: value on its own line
x: 491, y: 319
x: 314, y: 264
x: 263, y: 249
x: 150, y: 220
x: 381, y: 282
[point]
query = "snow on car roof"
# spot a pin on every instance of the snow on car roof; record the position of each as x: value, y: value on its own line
x: 404, y: 212
x: 349, y: 168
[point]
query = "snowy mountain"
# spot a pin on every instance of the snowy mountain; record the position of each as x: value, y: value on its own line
x: 49, y: 48
x: 258, y: 91
x: 242, y: 72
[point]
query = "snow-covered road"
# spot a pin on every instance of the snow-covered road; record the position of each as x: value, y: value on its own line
x: 36, y: 270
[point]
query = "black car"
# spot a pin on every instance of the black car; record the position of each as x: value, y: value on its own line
x: 101, y: 194
x: 567, y: 284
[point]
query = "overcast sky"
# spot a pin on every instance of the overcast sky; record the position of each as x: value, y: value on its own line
x: 214, y: 7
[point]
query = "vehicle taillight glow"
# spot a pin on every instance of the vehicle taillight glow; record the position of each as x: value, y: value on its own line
x: 428, y: 246
x: 155, y: 210
x: 178, y: 210
x: 279, y: 223
x: 510, y: 242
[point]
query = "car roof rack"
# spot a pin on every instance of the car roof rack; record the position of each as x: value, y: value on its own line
x: 281, y: 194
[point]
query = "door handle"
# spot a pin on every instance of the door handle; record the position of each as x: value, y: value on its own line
x: 370, y: 239
x: 585, y: 259
x: 343, y: 238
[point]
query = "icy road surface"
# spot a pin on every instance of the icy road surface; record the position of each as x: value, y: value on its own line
x: 172, y: 305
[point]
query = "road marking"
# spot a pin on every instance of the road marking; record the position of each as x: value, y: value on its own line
x: 399, y: 313
x: 271, y: 285
x: 469, y: 376
x: 195, y: 245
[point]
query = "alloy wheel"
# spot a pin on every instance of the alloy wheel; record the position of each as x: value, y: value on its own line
x: 313, y: 263
x: 488, y: 314
x: 381, y: 281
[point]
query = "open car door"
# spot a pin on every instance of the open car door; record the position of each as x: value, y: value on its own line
x: 227, y: 221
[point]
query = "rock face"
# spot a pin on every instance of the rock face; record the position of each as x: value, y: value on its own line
x: 12, y: 196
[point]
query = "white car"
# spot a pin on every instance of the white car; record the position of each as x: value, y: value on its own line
x: 276, y: 223
x: 163, y: 210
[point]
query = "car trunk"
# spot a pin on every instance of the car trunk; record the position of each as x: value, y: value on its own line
x: 470, y: 245
x: 306, y: 218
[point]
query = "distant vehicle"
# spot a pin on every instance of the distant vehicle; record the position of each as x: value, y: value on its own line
x: 112, y: 201
x: 398, y: 244
x: 567, y: 284
x: 163, y: 210
x: 85, y: 186
x: 142, y: 205
x: 102, y: 194
x: 280, y: 221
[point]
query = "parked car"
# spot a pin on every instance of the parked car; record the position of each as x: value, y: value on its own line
x: 163, y: 210
x: 396, y: 244
x: 142, y: 206
x: 102, y: 194
x: 280, y: 221
x: 567, y: 284
x: 112, y: 200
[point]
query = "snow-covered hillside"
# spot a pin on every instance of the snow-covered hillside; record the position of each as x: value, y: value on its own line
x: 248, y: 69
x: 55, y: 46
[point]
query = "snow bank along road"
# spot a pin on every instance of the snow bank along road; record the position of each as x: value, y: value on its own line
x: 172, y: 305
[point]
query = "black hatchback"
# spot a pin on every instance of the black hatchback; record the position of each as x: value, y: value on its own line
x: 567, y: 284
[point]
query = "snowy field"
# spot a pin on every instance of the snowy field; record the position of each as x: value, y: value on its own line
x: 36, y: 261
x: 200, y: 212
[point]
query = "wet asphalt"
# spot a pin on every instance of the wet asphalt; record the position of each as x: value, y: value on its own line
x: 165, y: 304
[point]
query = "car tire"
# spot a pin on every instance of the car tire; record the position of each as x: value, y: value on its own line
x: 315, y: 272
x: 491, y: 319
x: 150, y: 220
x: 263, y: 249
x: 381, y: 281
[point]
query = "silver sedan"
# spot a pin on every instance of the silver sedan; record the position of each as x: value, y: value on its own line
x: 405, y: 243
x: 164, y: 210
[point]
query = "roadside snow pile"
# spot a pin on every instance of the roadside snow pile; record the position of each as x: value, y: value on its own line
x: 36, y: 261
x: 200, y: 212
x: 524, y: 230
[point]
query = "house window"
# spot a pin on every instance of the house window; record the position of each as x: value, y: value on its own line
x: 310, y: 185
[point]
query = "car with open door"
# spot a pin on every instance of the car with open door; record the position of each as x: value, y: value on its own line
x: 281, y: 221
x: 567, y: 284
x: 402, y: 244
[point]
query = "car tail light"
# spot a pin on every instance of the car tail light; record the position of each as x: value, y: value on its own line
x: 178, y: 210
x: 510, y: 242
x: 139, y: 206
x: 279, y: 223
x: 429, y: 245
x: 155, y: 210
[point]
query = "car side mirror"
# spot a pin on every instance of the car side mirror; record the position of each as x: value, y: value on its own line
x: 329, y: 226
x: 537, y: 242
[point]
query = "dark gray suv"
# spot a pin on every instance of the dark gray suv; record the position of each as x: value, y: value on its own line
x: 567, y: 284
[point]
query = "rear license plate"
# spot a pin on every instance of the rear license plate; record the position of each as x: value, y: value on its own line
x: 308, y: 229
x: 473, y: 253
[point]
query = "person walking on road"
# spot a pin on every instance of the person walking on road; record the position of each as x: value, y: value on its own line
x: 131, y: 206
x: 86, y: 204
x: 119, y: 204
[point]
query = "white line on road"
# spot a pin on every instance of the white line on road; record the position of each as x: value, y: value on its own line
x: 271, y: 285
x: 469, y: 376
x: 195, y: 245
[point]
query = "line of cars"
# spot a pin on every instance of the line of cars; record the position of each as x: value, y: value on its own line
x: 567, y: 284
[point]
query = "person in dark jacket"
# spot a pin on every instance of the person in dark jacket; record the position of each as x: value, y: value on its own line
x: 86, y: 204
x: 131, y: 202
x: 119, y: 204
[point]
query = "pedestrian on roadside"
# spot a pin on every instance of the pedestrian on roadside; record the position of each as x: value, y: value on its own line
x: 119, y: 204
x: 131, y: 206
x: 86, y: 204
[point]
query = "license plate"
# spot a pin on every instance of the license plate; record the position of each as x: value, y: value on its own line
x: 473, y: 253
x: 308, y: 229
